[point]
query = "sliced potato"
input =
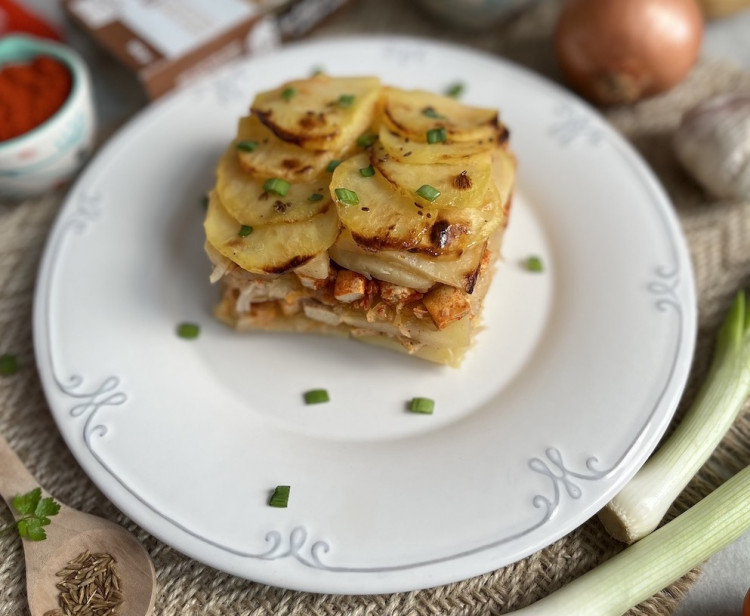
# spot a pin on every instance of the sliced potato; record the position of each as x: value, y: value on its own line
x: 405, y: 149
x: 319, y: 113
x: 409, y: 269
x: 276, y: 158
x: 413, y: 113
x: 246, y: 200
x: 271, y: 249
x: 461, y: 185
x: 384, y: 219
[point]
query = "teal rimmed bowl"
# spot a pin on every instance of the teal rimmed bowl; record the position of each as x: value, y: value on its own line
x: 48, y: 155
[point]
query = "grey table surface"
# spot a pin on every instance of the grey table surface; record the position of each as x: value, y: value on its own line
x: 726, y: 576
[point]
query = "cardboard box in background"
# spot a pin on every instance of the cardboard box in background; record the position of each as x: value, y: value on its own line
x: 170, y: 42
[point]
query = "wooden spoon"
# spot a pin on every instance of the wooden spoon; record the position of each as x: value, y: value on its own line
x: 70, y: 534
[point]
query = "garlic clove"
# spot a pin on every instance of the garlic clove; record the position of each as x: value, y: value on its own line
x: 713, y: 144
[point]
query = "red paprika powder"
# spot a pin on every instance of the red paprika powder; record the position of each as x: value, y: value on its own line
x: 31, y: 93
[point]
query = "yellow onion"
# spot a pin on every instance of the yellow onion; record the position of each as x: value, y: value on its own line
x: 620, y: 51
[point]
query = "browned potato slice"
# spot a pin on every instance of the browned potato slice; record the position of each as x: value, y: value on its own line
x: 420, y: 153
x: 409, y: 269
x: 273, y: 157
x: 413, y: 113
x: 270, y: 249
x: 246, y: 200
x: 461, y: 185
x: 319, y: 113
x: 384, y: 219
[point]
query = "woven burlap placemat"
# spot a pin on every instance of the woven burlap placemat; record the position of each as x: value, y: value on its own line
x: 718, y: 235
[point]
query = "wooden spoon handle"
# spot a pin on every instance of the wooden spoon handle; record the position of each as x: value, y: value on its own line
x: 14, y: 476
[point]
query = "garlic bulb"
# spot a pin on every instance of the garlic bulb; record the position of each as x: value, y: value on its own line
x: 713, y: 144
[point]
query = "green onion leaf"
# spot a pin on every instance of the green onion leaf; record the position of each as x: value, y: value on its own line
x: 332, y: 165
x: 288, y: 93
x: 276, y: 186
x: 455, y: 90
x: 8, y: 365
x: 247, y: 146
x: 367, y: 172
x: 422, y: 405
x: 345, y: 101
x: 317, y: 70
x: 316, y: 396
x: 534, y: 264
x: 315, y: 197
x: 280, y: 497
x: 436, y: 135
x: 366, y: 140
x: 245, y: 230
x: 428, y: 192
x: 189, y: 331
x: 346, y: 196
x: 431, y: 113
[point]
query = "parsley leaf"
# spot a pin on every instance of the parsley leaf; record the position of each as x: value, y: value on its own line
x: 35, y: 511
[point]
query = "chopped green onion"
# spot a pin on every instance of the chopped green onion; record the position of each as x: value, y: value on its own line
x: 345, y: 100
x: 245, y: 230
x: 366, y: 140
x: 280, y: 497
x: 316, y: 396
x: 367, y: 172
x: 332, y: 165
x: 288, y: 93
x: 431, y: 113
x: 8, y: 364
x: 189, y: 331
x: 346, y: 196
x: 276, y: 186
x: 534, y: 264
x: 428, y: 192
x: 317, y: 70
x: 422, y: 405
x: 436, y: 135
x: 247, y: 146
x: 315, y: 197
x: 455, y: 90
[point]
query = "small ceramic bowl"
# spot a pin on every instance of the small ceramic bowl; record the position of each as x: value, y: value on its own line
x: 49, y: 155
x: 473, y: 14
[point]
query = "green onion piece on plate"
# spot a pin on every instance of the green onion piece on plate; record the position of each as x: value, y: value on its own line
x: 430, y: 193
x: 455, y: 90
x: 332, y: 165
x: 422, y: 405
x: 276, y: 186
x: 280, y: 497
x: 189, y: 331
x: 315, y: 197
x: 367, y: 172
x: 534, y: 264
x: 430, y: 112
x: 316, y: 396
x: 288, y: 93
x: 245, y: 230
x: 346, y: 196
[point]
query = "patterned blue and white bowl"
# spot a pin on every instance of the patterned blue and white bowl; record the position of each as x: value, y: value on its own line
x: 49, y: 155
x: 475, y: 14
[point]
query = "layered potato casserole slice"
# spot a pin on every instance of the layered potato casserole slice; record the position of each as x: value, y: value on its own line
x: 347, y: 207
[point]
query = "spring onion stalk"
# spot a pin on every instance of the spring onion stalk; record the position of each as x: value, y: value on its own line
x: 641, y: 505
x: 646, y: 567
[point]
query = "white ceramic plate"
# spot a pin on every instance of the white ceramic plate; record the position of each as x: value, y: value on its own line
x: 566, y: 393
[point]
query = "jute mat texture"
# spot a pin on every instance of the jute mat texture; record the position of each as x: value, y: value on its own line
x: 718, y: 234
